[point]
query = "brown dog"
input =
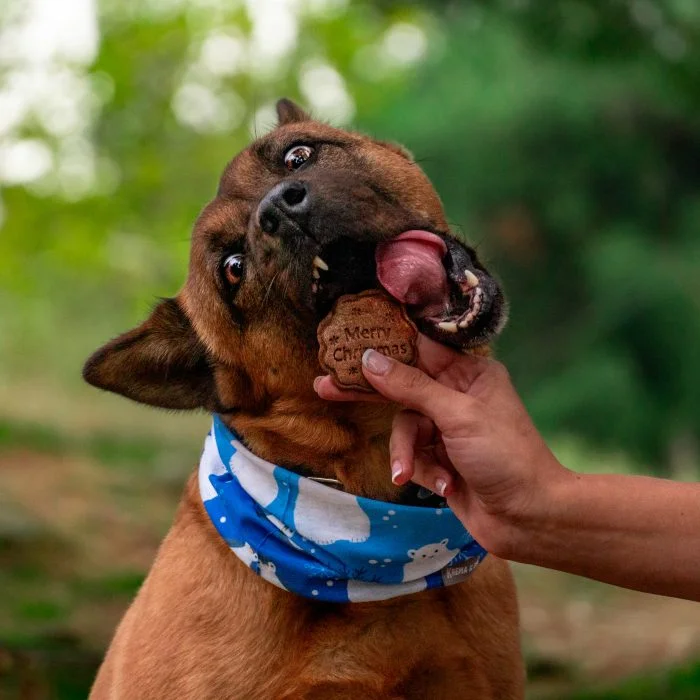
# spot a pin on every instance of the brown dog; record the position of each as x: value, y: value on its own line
x: 240, y: 340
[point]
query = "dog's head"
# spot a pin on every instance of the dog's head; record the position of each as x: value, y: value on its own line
x: 296, y: 222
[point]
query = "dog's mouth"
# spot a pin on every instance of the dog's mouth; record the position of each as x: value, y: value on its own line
x: 449, y: 296
x: 345, y: 266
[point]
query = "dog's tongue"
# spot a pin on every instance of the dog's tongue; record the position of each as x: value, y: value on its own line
x: 410, y: 268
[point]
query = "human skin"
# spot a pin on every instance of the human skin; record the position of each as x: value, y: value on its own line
x: 465, y: 433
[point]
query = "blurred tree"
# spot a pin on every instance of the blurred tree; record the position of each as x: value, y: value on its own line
x: 107, y: 155
x: 565, y: 138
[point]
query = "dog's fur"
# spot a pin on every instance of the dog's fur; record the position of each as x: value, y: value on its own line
x: 203, y: 624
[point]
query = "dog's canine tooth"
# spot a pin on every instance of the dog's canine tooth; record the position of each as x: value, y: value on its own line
x: 315, y: 273
x: 449, y: 326
x: 470, y: 279
x: 320, y: 263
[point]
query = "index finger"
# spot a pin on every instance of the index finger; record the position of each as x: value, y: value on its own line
x: 327, y: 389
x: 446, y: 365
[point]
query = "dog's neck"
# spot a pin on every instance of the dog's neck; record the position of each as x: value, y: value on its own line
x: 347, y: 442
x: 321, y: 543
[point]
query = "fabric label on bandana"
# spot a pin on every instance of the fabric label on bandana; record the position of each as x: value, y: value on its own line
x: 322, y: 543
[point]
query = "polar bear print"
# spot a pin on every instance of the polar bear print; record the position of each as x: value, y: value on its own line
x: 210, y: 464
x: 286, y: 531
x: 427, y: 559
x: 362, y: 591
x: 330, y: 519
x: 268, y: 571
x: 246, y: 554
x: 257, y: 482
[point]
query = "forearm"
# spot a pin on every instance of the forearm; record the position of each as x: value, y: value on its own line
x: 630, y: 531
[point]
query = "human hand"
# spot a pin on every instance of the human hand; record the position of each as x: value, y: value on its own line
x: 466, y: 435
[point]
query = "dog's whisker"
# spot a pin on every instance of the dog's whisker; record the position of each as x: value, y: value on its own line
x: 269, y: 288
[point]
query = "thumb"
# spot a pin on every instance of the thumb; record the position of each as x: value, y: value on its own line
x: 409, y: 386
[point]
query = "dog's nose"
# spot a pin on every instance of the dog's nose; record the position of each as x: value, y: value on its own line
x: 286, y: 203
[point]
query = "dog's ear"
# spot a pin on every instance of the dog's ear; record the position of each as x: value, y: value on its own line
x: 289, y: 112
x: 398, y: 149
x: 162, y: 362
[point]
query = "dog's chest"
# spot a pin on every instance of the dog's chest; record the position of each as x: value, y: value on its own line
x: 295, y: 648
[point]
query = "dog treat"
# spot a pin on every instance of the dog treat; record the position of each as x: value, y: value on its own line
x: 358, y: 322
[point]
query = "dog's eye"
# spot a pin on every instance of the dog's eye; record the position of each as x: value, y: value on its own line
x: 233, y: 268
x: 297, y: 156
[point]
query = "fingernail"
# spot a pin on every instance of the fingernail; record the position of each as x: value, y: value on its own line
x: 440, y: 486
x: 396, y: 471
x: 317, y: 381
x: 375, y: 362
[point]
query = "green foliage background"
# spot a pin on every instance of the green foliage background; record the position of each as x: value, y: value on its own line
x: 563, y: 137
x: 564, y: 141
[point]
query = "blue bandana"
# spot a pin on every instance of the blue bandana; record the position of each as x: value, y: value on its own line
x: 322, y: 543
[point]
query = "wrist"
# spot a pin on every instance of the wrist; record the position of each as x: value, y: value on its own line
x: 538, y: 513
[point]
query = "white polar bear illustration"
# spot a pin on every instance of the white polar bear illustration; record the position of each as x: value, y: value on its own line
x: 268, y: 571
x: 245, y: 554
x: 286, y: 531
x: 256, y: 479
x: 362, y: 591
x: 324, y: 516
x: 210, y: 464
x: 427, y: 559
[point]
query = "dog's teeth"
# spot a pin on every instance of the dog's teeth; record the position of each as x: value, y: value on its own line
x: 464, y: 322
x: 315, y: 273
x: 320, y: 263
x: 470, y: 279
x: 473, y: 311
x: 449, y: 326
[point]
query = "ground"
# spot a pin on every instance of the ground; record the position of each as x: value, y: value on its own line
x: 86, y: 496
